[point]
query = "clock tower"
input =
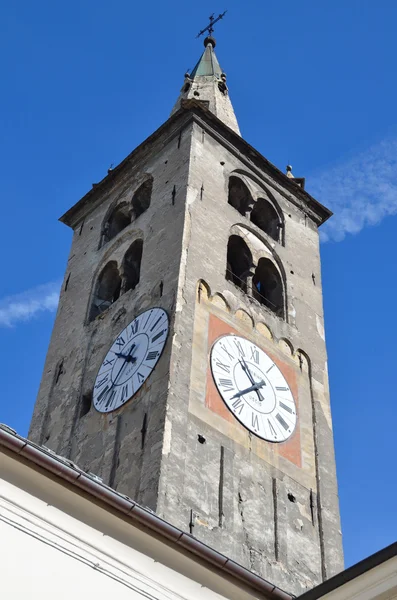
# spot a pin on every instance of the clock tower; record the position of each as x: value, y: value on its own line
x: 187, y: 367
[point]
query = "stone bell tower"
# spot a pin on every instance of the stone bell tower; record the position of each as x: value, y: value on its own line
x: 197, y: 222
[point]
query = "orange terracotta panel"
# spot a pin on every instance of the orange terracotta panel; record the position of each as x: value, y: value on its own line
x: 291, y: 448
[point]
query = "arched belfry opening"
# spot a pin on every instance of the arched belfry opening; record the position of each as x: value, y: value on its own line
x: 265, y: 216
x: 107, y: 289
x: 239, y: 262
x: 132, y: 266
x: 239, y: 196
x: 141, y: 199
x: 267, y: 286
x: 118, y: 220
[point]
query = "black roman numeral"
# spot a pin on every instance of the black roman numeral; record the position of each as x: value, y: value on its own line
x: 110, y: 399
x: 152, y: 355
x: 282, y: 389
x: 270, y: 368
x: 285, y: 407
x: 124, y: 392
x: 108, y: 362
x: 102, y: 381
x: 134, y: 326
x: 223, y: 346
x: 255, y: 354
x: 120, y: 341
x: 255, y: 421
x: 140, y: 377
x: 102, y: 395
x: 238, y: 405
x: 282, y: 422
x: 239, y: 347
x: 220, y: 365
x: 227, y: 384
x: 274, y: 432
x: 147, y: 320
x: 156, y: 323
x: 156, y: 337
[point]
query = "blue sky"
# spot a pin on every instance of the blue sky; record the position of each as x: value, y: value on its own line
x: 311, y: 83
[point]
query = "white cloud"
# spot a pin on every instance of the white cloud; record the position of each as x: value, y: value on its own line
x: 27, y: 305
x: 361, y: 191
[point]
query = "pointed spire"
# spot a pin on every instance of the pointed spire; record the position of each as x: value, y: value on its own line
x: 207, y: 83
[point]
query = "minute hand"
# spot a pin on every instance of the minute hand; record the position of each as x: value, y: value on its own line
x: 252, y: 388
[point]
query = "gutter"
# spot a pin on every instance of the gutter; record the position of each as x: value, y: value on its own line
x: 92, y: 485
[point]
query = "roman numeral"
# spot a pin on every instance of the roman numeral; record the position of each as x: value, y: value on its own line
x: 282, y: 389
x: 255, y: 354
x: 227, y: 384
x: 124, y: 392
x: 152, y: 355
x: 102, y: 381
x: 238, y: 405
x: 223, y: 346
x: 273, y: 431
x: 239, y: 347
x: 147, y: 320
x: 108, y: 362
x: 156, y: 337
x: 109, y: 401
x: 255, y: 421
x: 282, y: 422
x: 220, y: 365
x: 140, y: 377
x: 156, y: 323
x: 102, y: 395
x: 285, y: 407
x: 134, y: 326
x: 120, y: 341
x: 270, y: 368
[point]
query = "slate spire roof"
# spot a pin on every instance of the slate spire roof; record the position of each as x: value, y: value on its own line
x: 207, y: 84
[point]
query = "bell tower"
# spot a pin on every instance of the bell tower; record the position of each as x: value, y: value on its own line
x: 225, y: 430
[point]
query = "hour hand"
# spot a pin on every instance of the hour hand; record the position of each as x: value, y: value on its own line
x: 127, y: 357
x: 253, y: 388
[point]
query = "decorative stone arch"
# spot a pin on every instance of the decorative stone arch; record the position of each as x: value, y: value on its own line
x: 117, y: 218
x: 259, y: 271
x: 239, y: 195
x: 263, y: 209
x: 122, y: 213
x: 106, y: 291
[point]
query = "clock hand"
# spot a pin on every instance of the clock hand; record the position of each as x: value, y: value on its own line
x: 246, y: 370
x: 252, y: 388
x: 127, y: 357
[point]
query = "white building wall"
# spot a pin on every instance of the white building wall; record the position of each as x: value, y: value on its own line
x: 46, y: 553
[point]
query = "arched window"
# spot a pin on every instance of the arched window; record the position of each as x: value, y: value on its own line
x: 132, y: 266
x: 141, y: 199
x: 107, y: 289
x: 267, y: 286
x: 239, y: 262
x: 239, y: 196
x: 118, y: 220
x: 265, y: 217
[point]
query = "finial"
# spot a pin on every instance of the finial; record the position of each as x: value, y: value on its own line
x: 289, y: 172
x: 210, y: 29
x: 209, y: 40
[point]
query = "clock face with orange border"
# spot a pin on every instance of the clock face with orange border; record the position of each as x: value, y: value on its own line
x: 253, y: 388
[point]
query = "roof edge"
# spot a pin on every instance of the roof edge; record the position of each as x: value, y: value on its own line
x: 351, y: 573
x: 70, y: 473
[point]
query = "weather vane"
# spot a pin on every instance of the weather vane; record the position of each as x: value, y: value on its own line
x: 210, y: 27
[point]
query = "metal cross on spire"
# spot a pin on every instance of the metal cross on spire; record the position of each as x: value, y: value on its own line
x: 210, y: 27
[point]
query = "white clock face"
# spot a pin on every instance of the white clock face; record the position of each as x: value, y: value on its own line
x: 129, y: 362
x: 253, y: 388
